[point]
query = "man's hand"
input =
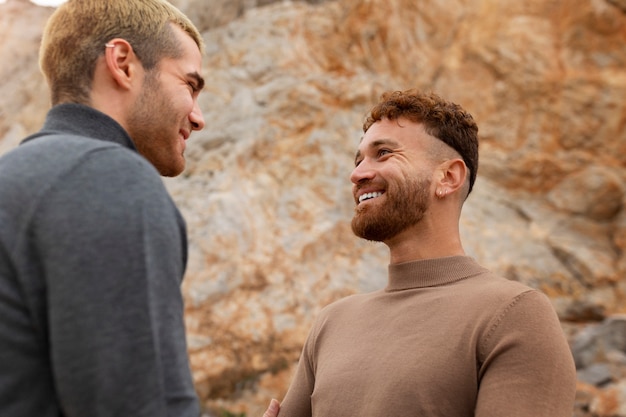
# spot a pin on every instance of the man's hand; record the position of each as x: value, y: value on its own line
x: 273, y: 409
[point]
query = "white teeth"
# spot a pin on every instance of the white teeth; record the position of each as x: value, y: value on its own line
x: 367, y: 196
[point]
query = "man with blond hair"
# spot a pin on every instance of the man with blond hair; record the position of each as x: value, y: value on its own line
x: 92, y: 247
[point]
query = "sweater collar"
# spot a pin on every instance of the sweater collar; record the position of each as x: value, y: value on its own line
x: 431, y: 272
x: 81, y: 120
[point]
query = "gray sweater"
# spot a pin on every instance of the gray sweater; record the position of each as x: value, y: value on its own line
x: 92, y: 254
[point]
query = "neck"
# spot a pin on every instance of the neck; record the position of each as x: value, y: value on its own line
x: 417, y: 243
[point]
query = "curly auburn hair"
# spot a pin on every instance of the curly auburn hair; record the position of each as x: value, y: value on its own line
x: 442, y: 119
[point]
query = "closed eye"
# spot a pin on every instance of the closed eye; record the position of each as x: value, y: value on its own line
x: 196, y: 82
x: 194, y: 87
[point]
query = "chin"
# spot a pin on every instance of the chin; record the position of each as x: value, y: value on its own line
x: 171, y: 170
x: 175, y: 172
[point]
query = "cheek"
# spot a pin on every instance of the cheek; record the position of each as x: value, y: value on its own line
x: 182, y: 105
x: 173, y: 106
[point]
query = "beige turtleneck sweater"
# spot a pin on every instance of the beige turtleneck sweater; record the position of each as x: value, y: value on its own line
x: 445, y: 338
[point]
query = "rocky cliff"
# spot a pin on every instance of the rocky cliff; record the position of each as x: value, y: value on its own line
x: 266, y: 192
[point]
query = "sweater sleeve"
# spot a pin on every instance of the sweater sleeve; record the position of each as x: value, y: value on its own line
x: 297, y: 401
x: 526, y: 366
x: 112, y: 247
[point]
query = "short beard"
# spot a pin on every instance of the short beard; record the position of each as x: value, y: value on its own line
x: 405, y: 207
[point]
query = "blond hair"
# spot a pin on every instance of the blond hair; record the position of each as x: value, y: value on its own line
x: 75, y: 35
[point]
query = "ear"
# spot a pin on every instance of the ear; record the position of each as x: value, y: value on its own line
x: 122, y: 63
x: 451, y: 176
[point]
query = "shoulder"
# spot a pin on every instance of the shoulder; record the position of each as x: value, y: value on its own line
x: 75, y: 174
x: 493, y: 290
x: 59, y: 153
x: 57, y: 157
x: 346, y: 307
x: 495, y: 299
x: 524, y: 311
x: 77, y: 148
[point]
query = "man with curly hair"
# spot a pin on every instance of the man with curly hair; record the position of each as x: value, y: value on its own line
x: 446, y: 337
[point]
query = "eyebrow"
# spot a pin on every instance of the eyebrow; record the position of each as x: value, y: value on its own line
x: 198, y: 79
x: 377, y: 143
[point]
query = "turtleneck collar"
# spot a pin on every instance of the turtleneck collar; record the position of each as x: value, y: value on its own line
x: 431, y: 272
x: 85, y: 121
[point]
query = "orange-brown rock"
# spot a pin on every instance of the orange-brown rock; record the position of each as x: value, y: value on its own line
x: 266, y: 192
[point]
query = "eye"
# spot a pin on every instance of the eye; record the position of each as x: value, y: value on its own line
x: 192, y: 85
x: 383, y: 151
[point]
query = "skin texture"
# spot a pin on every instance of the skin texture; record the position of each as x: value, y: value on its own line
x: 159, y: 109
x: 400, y: 160
x: 383, y: 167
x: 272, y: 409
x: 172, y: 94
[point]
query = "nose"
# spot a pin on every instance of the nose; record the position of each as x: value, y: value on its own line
x: 196, y: 118
x: 362, y: 172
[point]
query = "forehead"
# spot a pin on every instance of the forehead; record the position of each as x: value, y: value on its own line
x: 401, y: 133
x: 191, y: 57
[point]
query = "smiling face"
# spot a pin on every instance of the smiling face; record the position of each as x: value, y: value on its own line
x: 166, y: 110
x: 391, y: 179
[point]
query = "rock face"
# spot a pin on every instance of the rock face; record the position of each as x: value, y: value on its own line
x: 266, y: 192
x: 23, y: 94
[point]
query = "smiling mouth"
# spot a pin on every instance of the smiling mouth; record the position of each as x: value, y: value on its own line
x: 369, y: 196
